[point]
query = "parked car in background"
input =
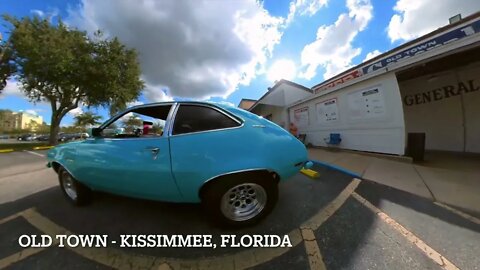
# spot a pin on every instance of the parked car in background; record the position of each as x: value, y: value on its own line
x: 27, y: 137
x: 65, y: 137
x: 43, y: 138
x: 224, y: 157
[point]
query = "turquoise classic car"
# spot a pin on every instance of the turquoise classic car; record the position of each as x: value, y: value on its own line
x: 228, y: 159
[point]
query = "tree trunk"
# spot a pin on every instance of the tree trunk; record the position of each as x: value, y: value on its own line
x: 54, y: 128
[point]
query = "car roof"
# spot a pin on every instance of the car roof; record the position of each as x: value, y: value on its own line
x: 223, y: 105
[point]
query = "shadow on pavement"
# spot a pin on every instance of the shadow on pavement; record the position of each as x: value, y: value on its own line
x: 376, y: 193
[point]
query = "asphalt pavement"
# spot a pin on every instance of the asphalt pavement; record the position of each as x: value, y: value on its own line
x: 333, y: 222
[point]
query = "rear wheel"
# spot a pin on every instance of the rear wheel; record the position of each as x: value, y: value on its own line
x: 242, y: 200
x: 75, y: 192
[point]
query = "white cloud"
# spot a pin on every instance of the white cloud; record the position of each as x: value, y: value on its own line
x: 224, y: 102
x: 37, y: 12
x: 196, y: 49
x: 13, y: 88
x: 333, y: 48
x: 134, y: 103
x: 76, y: 111
x: 31, y: 111
x: 50, y: 14
x: 304, y: 7
x: 371, y: 55
x: 415, y: 18
x: 157, y: 94
x: 127, y: 116
x: 282, y: 69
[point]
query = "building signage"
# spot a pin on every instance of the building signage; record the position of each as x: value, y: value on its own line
x: 327, y: 111
x: 366, y: 104
x: 448, y: 37
x: 300, y: 117
x: 352, y: 75
x: 437, y: 94
x: 441, y: 40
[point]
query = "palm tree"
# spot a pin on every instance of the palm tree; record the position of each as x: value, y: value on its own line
x: 87, y: 119
x: 158, y: 127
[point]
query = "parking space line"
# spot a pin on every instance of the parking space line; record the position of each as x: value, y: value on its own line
x: 25, y: 253
x: 318, y: 219
x: 34, y: 153
x: 43, y: 224
x: 459, y: 213
x: 7, y: 219
x: 426, y: 249
x: 313, y: 251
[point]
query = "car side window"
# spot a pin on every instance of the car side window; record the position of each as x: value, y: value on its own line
x: 141, y: 122
x: 194, y: 118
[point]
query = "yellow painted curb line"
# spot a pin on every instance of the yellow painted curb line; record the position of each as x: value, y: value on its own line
x: 310, y: 173
x: 42, y: 147
x: 6, y: 150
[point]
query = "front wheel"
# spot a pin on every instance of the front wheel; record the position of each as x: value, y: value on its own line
x: 76, y: 193
x: 240, y: 201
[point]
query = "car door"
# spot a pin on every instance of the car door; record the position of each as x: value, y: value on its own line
x: 205, y: 141
x: 136, y: 167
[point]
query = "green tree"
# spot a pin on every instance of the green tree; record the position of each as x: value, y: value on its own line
x: 66, y: 67
x: 131, y: 123
x: 7, y: 67
x: 87, y: 119
x: 43, y: 128
x: 158, y: 127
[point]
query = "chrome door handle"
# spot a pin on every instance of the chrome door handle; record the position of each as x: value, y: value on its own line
x: 155, y: 151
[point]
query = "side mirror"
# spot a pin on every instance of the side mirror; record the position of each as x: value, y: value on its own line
x: 95, y: 132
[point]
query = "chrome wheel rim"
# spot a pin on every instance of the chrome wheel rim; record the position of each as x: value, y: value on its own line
x: 243, y: 202
x: 69, y: 186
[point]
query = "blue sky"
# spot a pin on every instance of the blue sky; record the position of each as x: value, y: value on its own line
x: 305, y: 41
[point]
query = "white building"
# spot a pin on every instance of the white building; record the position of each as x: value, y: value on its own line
x: 273, y: 105
x: 429, y: 85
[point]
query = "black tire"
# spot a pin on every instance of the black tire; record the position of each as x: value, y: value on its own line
x: 83, y: 193
x: 214, y: 193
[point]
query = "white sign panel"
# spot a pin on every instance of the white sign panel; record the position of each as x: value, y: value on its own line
x: 366, y: 104
x: 300, y: 117
x: 327, y: 111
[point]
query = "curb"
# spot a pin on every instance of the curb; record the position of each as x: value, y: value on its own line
x: 42, y: 147
x: 404, y: 159
x: 337, y: 168
x: 310, y: 173
x: 10, y: 150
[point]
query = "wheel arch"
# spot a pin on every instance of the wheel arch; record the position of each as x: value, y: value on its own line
x: 268, y: 174
x: 56, y: 165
